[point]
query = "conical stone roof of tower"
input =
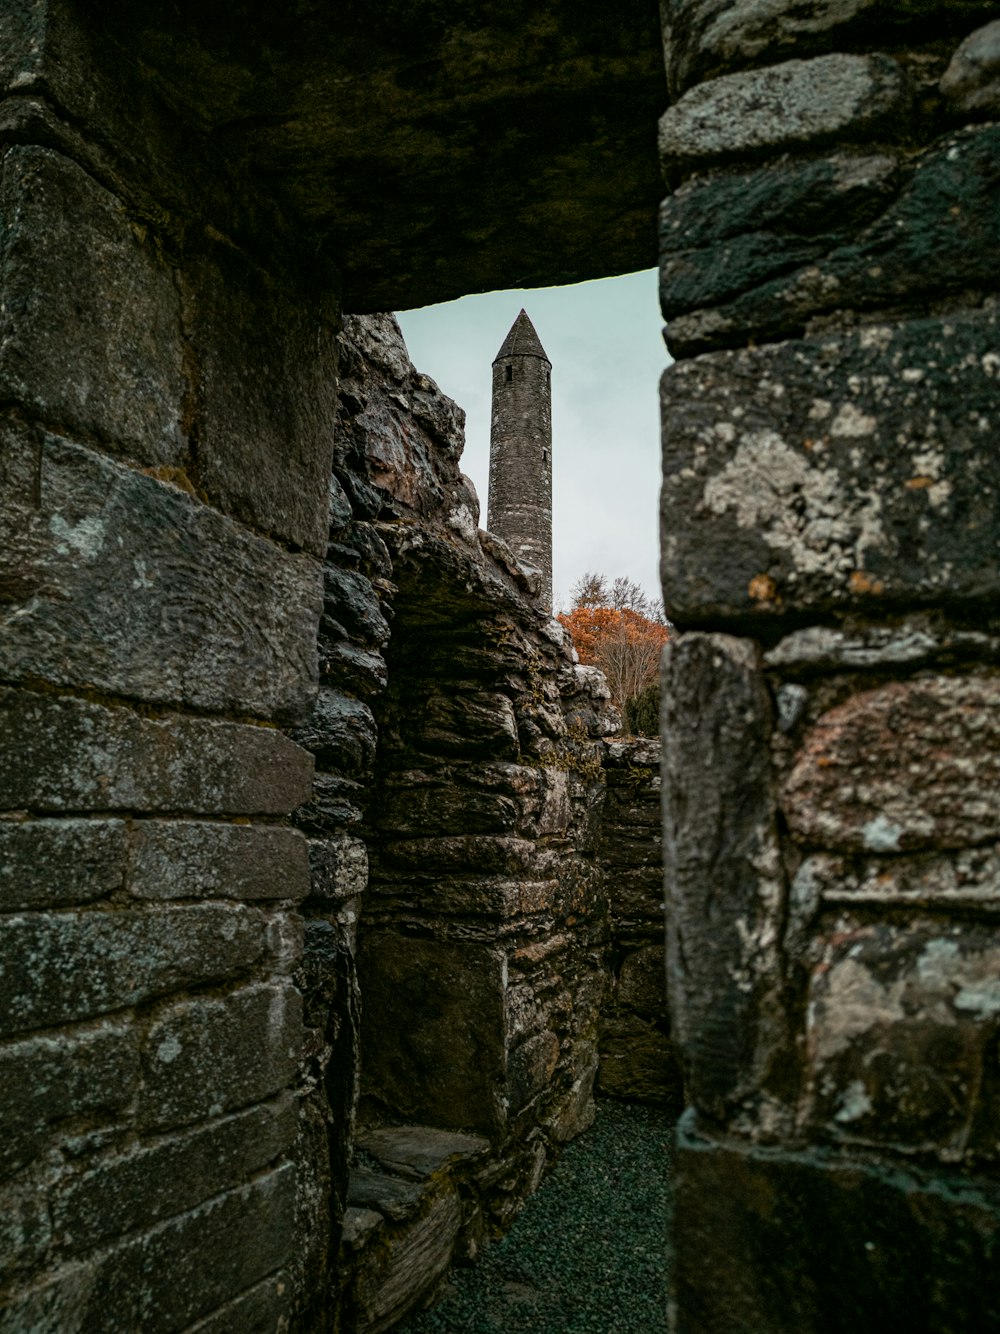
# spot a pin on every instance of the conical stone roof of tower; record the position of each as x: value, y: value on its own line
x: 522, y: 341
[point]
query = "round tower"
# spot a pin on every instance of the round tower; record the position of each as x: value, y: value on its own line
x: 520, y: 497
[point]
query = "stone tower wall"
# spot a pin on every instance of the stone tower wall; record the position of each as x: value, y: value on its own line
x: 520, y: 499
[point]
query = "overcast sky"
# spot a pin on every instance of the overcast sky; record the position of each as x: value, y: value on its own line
x: 604, y: 342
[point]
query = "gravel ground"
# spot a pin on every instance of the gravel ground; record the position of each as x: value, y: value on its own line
x: 586, y: 1255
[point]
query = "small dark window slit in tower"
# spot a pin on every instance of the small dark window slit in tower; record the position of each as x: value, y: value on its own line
x: 510, y: 374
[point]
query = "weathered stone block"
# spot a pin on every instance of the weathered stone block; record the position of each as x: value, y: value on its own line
x: 406, y: 1266
x: 420, y: 1151
x: 972, y: 80
x: 338, y: 868
x: 722, y: 868
x: 113, y: 581
x: 795, y: 104
x: 46, y: 1080
x: 69, y: 754
x: 937, y: 782
x: 340, y: 732
x: 839, y: 473
x: 901, y: 1030
x: 530, y: 1068
x: 183, y: 859
x: 445, y: 1066
x: 636, y: 893
x: 347, y: 667
x: 477, y: 852
x: 267, y: 393
x: 841, y: 233
x: 67, y: 967
x: 335, y: 805
x: 637, y: 1061
x: 264, y: 1307
x: 416, y: 804
x: 125, y: 1193
x: 967, y: 878
x: 138, y: 1285
x: 47, y: 863
x: 351, y: 601
x: 780, y: 1241
x: 207, y: 1056
x: 733, y: 232
x: 90, y: 332
x: 642, y: 982
x: 474, y: 725
x: 707, y: 37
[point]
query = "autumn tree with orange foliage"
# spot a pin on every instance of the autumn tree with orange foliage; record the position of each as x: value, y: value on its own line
x: 617, y: 628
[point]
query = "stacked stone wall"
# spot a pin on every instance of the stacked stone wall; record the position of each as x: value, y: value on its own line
x: 160, y: 594
x: 636, y: 1057
x: 830, y: 510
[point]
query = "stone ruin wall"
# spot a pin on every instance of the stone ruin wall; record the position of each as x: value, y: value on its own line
x: 204, y: 1081
x: 830, y: 511
x: 459, y: 917
x: 831, y: 505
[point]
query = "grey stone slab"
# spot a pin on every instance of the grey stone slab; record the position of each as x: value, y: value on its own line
x: 862, y: 233
x: 181, y: 859
x: 419, y: 1151
x: 205, y: 1056
x: 266, y: 358
x: 937, y: 781
x: 72, y: 966
x: 90, y: 332
x: 69, y: 754
x: 724, y: 879
x: 47, y: 863
x: 387, y: 1195
x: 126, y: 1192
x: 704, y: 37
x: 851, y: 472
x: 792, y: 105
x: 912, y: 641
x: 359, y: 1227
x: 117, y: 581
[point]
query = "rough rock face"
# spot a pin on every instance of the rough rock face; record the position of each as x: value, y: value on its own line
x: 831, y: 801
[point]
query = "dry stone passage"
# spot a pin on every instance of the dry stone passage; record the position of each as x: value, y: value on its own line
x: 830, y: 519
x: 190, y: 200
x: 459, y: 931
